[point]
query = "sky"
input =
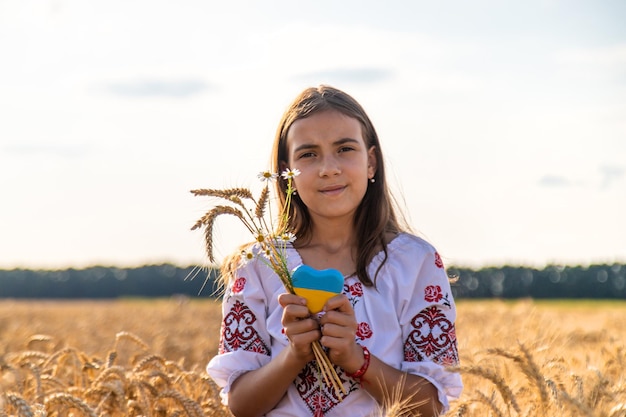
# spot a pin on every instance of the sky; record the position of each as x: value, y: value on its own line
x: 503, y: 123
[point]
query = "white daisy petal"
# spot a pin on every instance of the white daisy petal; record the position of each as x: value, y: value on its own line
x: 246, y: 256
x: 266, y: 176
x: 290, y: 173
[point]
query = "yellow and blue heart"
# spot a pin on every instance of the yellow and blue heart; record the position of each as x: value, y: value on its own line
x: 317, y: 286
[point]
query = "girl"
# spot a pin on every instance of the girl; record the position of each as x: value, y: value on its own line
x: 390, y: 334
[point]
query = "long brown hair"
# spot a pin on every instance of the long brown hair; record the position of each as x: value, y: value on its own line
x: 375, y: 216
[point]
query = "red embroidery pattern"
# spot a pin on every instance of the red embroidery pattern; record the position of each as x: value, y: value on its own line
x: 364, y: 331
x: 433, y: 338
x: 316, y: 395
x: 239, y: 285
x: 238, y: 331
x: 356, y: 290
x: 432, y: 294
x: 438, y: 261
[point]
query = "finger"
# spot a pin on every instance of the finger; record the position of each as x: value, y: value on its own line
x: 338, y: 344
x: 294, y: 312
x: 300, y: 326
x: 285, y: 299
x: 338, y: 331
x: 339, y: 318
x: 339, y: 302
x: 303, y: 339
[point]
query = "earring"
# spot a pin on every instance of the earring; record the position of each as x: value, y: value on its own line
x: 372, y: 180
x: 295, y: 192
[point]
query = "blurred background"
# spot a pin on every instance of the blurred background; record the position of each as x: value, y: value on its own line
x: 503, y: 123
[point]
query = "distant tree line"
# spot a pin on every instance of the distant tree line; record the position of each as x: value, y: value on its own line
x: 554, y: 281
x: 607, y: 281
x: 109, y: 282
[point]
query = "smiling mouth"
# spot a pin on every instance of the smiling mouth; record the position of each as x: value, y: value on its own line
x: 332, y: 190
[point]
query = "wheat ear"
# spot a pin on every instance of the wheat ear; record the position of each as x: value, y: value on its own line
x: 39, y: 339
x: 481, y: 397
x: 225, y: 194
x: 208, y: 221
x: 259, y: 211
x: 112, y: 372
x: 529, y: 368
x: 191, y: 407
x: 19, y: 403
x: 68, y: 402
x: 497, y: 380
x: 394, y: 405
x: 146, y: 361
x: 134, y: 338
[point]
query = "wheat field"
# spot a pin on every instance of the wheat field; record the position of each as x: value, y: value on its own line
x: 147, y: 358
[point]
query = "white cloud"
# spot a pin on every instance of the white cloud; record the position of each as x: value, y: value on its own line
x: 154, y: 88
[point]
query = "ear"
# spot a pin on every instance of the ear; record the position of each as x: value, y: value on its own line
x: 372, y: 162
x: 282, y: 166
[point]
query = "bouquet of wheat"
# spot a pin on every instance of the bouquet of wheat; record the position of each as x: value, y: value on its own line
x: 272, y: 240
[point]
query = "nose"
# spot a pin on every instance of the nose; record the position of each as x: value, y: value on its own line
x: 329, y: 166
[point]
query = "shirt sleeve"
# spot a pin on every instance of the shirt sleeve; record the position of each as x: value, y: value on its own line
x: 245, y: 342
x: 427, y: 315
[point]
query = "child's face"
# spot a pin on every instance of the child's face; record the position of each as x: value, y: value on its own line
x: 334, y: 162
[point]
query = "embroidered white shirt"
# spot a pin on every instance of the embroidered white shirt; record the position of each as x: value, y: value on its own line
x: 406, y: 320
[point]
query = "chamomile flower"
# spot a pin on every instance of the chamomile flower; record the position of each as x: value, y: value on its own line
x: 260, y: 237
x: 246, y: 256
x: 267, y: 252
x: 266, y: 176
x: 287, y: 237
x: 290, y: 173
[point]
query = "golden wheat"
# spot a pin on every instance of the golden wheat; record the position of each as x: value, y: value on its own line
x: 259, y: 210
x: 147, y: 358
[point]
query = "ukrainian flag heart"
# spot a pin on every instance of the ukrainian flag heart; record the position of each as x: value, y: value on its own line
x: 316, y: 286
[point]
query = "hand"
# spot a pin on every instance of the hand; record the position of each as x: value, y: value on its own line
x: 300, y: 328
x: 339, y: 328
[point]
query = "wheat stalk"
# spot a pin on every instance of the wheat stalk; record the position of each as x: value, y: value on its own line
x: 496, y: 379
x: 529, y: 368
x: 395, y: 404
x: 66, y: 401
x: 259, y: 210
x: 53, y: 382
x: 575, y: 404
x: 111, y: 357
x: 208, y: 221
x: 146, y: 361
x: 328, y: 370
x: 39, y: 339
x: 34, y: 356
x: 225, y: 193
x: 190, y: 407
x: 133, y: 338
x: 489, y: 401
x: 56, y: 356
x: 19, y: 403
x: 111, y: 372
